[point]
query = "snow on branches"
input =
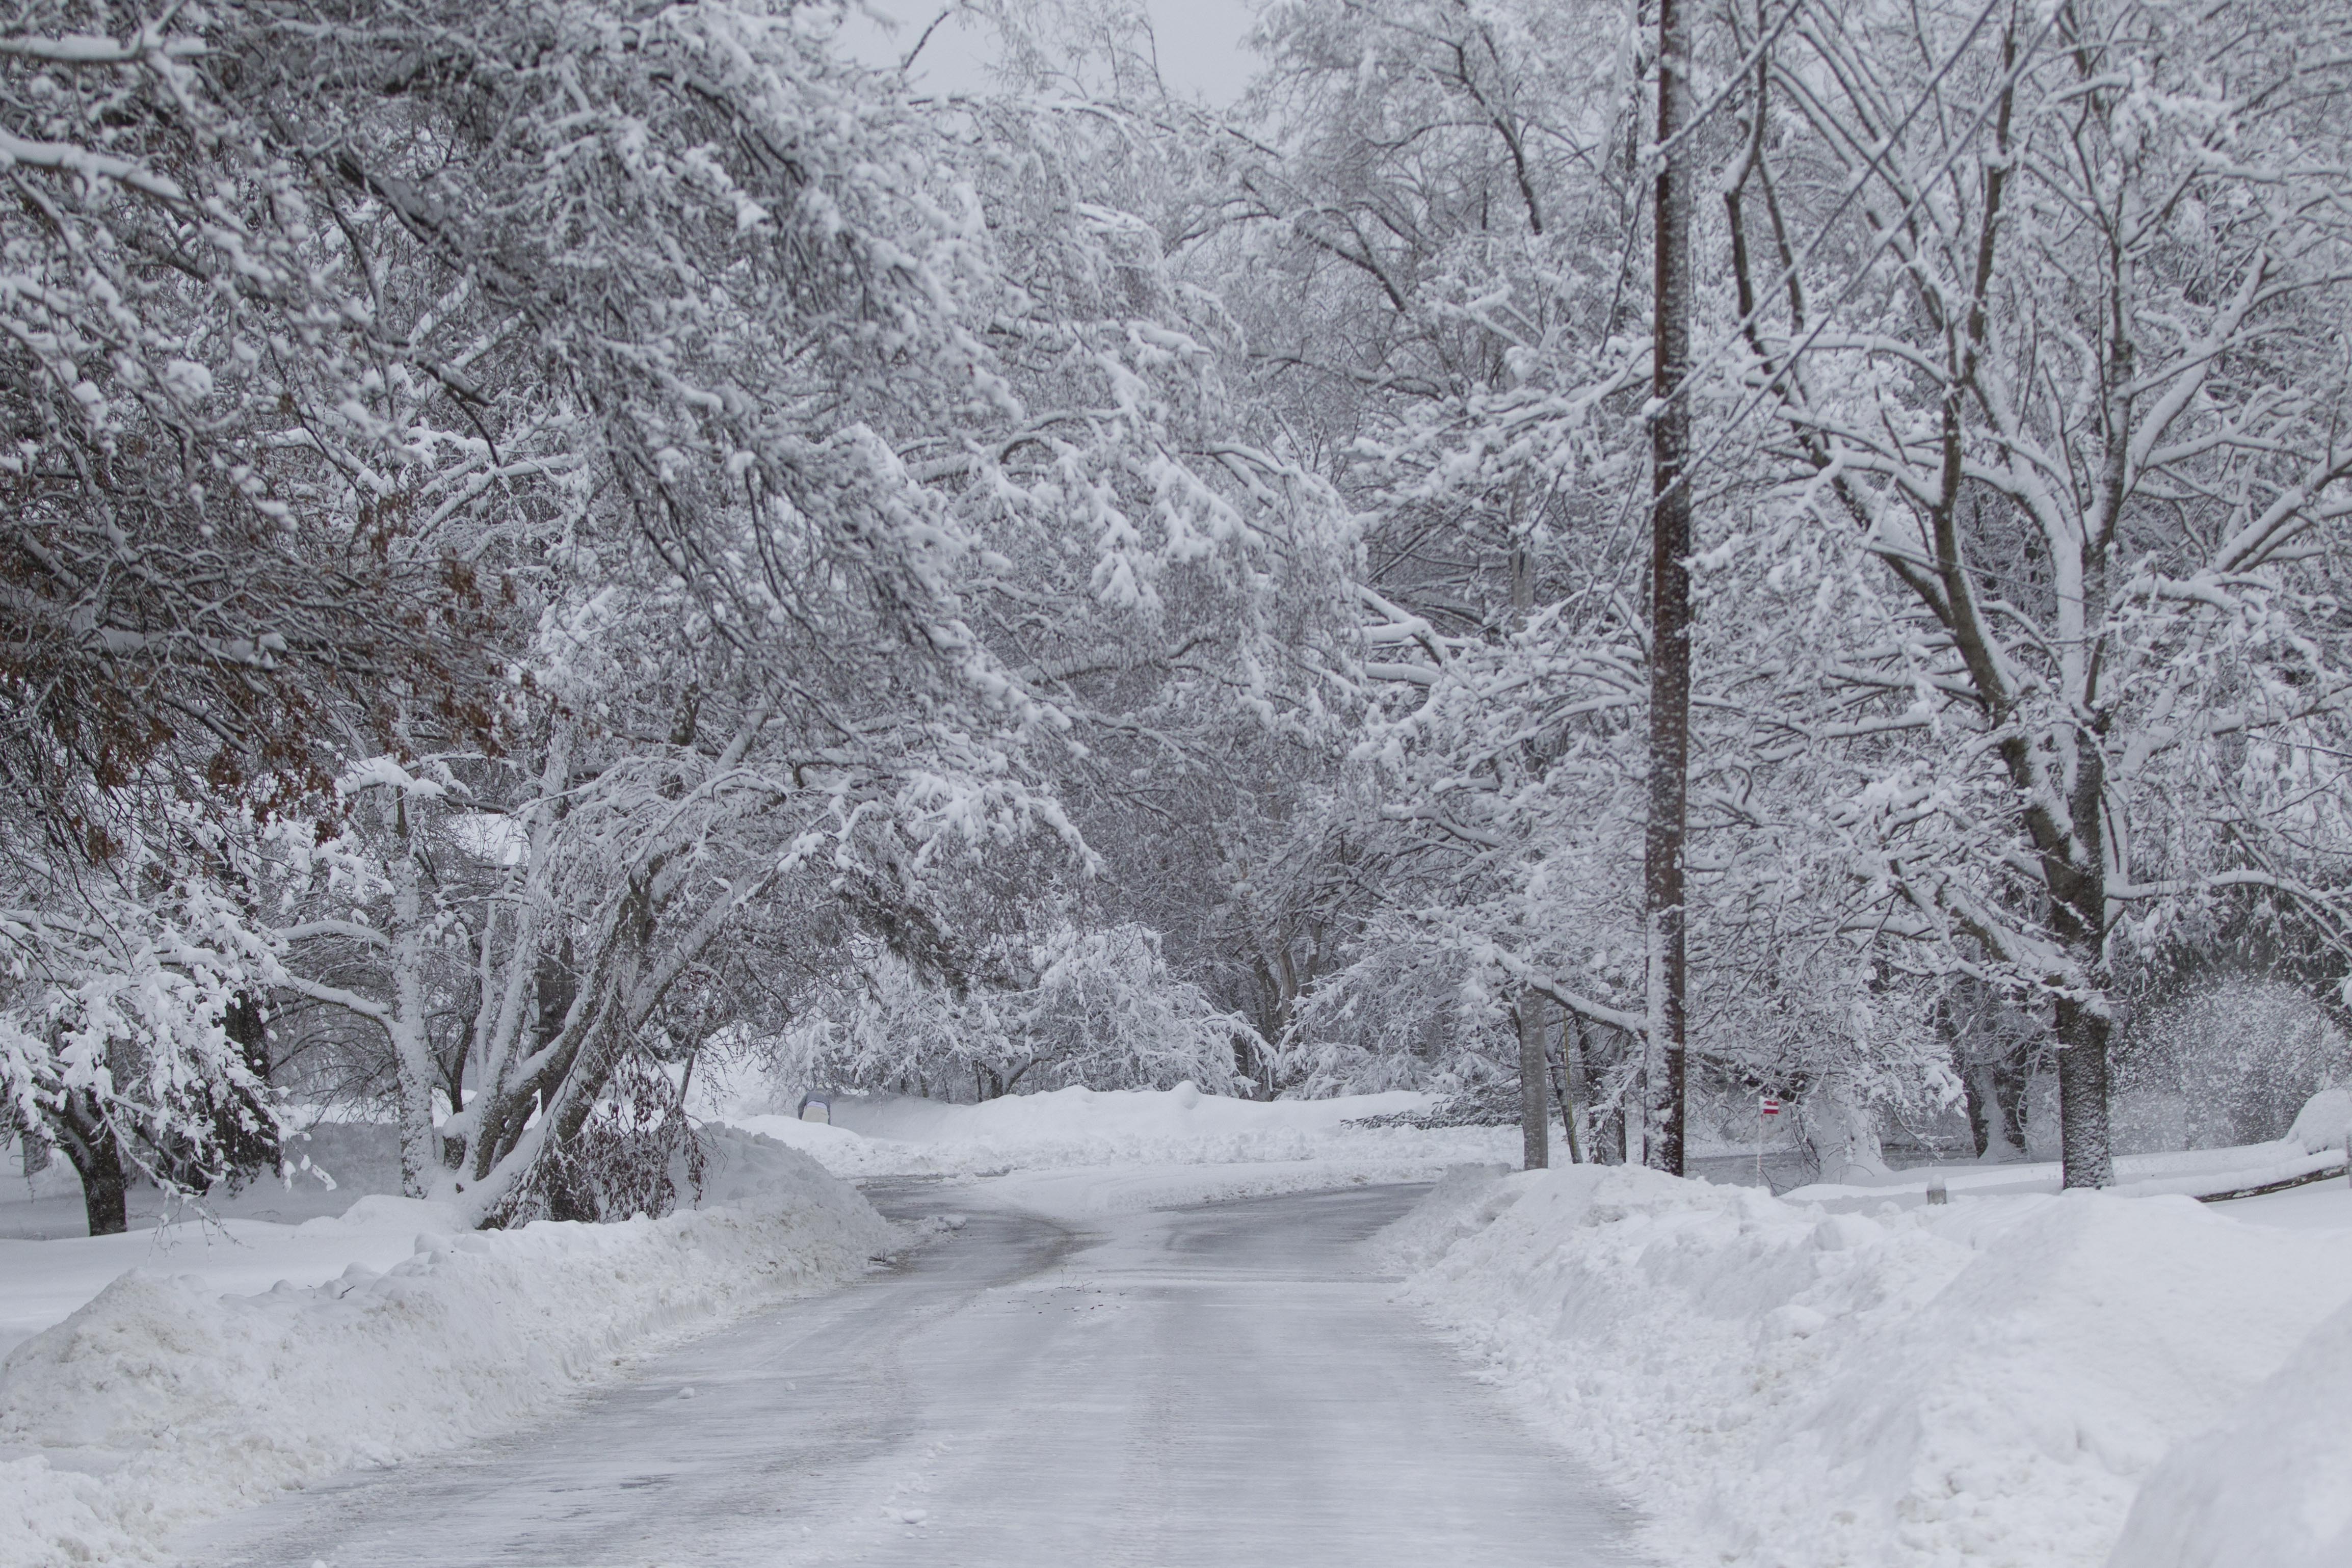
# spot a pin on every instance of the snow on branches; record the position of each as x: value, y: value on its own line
x: 596, y: 487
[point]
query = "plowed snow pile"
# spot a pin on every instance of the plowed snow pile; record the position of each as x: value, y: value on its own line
x: 163, y: 1400
x: 1987, y: 1381
x: 2271, y: 1487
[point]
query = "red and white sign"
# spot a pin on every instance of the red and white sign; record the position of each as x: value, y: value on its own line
x: 1768, y: 1106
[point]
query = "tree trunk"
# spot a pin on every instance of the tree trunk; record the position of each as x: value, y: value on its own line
x: 1996, y: 1093
x: 105, y: 1188
x: 1535, y: 1091
x: 245, y: 1135
x: 1975, y: 1084
x: 452, y: 1136
x: 2010, y: 1083
x: 1613, y: 1129
x: 89, y: 1141
x: 1848, y: 1135
x: 420, y: 1152
x: 1670, y: 548
x: 508, y: 1106
x: 242, y: 1021
x: 1569, y: 1086
x: 2080, y: 919
x: 2083, y: 1031
x: 624, y: 983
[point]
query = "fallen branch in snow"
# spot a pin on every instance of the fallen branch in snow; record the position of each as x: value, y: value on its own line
x: 2310, y: 1178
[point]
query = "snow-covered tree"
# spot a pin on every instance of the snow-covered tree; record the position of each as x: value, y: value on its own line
x: 2049, y: 300
x: 191, y: 618
x: 851, y: 468
x: 1092, y: 1008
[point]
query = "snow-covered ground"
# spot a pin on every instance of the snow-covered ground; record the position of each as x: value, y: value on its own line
x: 1228, y: 1386
x: 1844, y: 1377
x: 1994, y: 1381
x: 193, y: 1385
x: 204, y: 1361
x: 1078, y: 1151
x: 44, y: 1281
x: 1080, y: 1154
x: 2316, y: 1143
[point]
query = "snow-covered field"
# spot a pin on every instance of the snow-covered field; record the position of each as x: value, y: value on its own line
x: 1995, y: 1381
x: 191, y: 1384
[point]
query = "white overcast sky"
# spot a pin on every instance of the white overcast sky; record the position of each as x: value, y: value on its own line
x: 1200, y: 45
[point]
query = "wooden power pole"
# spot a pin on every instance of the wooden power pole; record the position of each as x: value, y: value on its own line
x: 1534, y: 1082
x: 1670, y: 612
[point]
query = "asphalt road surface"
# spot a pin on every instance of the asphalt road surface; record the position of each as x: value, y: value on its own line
x: 1227, y: 1386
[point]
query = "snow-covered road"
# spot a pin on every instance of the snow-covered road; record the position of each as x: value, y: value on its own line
x: 1225, y: 1386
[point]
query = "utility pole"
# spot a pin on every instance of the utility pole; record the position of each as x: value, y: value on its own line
x: 1670, y: 612
x: 1535, y: 1071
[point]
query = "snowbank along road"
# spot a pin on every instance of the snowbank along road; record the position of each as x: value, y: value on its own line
x: 1226, y: 1386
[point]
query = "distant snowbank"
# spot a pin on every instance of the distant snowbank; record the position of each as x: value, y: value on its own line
x: 1990, y: 1381
x: 1070, y: 1128
x: 163, y: 1400
x: 1184, y: 1111
x: 2315, y: 1143
x: 1088, y: 1192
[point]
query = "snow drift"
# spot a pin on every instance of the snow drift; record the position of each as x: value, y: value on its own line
x: 2272, y: 1486
x: 1990, y: 1381
x: 161, y: 1402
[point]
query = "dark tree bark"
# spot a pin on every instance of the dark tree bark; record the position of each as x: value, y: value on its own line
x: 2079, y: 881
x: 1670, y: 613
x: 242, y: 1021
x: 1535, y: 1091
x: 557, y: 984
x: 105, y: 1188
x: 82, y: 1130
x: 244, y: 1139
x: 2009, y: 1085
x: 1975, y: 1082
x: 2082, y: 1096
